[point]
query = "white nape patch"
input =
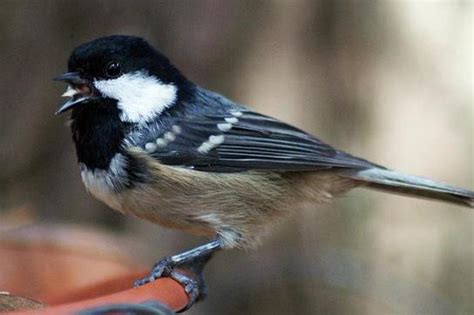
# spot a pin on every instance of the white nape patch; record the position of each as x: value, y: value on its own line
x: 211, y: 143
x: 104, y: 184
x: 224, y: 127
x: 140, y: 96
x: 231, y: 120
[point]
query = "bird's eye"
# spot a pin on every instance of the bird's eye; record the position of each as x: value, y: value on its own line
x: 113, y: 69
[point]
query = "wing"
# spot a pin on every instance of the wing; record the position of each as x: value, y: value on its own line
x: 237, y: 140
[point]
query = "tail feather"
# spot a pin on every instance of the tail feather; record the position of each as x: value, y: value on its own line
x: 412, y: 185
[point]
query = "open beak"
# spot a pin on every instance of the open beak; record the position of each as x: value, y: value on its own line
x: 79, y: 91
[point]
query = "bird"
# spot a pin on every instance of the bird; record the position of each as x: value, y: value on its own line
x: 153, y: 144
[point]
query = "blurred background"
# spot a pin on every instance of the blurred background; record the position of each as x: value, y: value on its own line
x: 391, y: 81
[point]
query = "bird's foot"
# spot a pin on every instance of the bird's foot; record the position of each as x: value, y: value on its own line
x: 186, y: 268
x: 193, y: 283
x: 161, y: 269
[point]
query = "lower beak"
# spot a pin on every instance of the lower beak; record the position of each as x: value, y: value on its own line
x: 77, y: 97
x: 71, y: 103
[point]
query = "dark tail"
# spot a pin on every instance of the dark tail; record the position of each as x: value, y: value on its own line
x: 395, y: 182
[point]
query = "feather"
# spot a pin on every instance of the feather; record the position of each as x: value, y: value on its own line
x: 248, y: 140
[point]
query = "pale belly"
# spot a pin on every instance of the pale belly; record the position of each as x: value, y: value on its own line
x: 99, y: 184
x: 239, y: 207
x: 141, y: 202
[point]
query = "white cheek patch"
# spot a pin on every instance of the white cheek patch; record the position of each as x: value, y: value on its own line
x: 141, y: 97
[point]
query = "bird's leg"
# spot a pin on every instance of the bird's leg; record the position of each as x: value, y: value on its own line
x: 186, y: 268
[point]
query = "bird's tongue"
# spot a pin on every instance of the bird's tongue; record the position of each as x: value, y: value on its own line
x: 77, y: 91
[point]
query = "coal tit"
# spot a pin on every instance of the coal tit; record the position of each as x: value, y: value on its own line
x: 153, y: 144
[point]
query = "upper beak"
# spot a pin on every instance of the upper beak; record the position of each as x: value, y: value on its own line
x: 71, y: 78
x: 76, y: 94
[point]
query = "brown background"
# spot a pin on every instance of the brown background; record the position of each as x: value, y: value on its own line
x: 390, y: 81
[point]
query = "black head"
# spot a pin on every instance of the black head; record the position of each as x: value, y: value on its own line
x: 126, y: 69
x: 109, y: 57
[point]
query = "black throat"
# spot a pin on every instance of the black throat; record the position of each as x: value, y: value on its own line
x: 98, y: 133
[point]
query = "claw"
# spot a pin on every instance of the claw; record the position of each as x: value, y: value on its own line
x: 163, y: 268
x: 143, y: 281
x: 191, y: 286
x: 194, y: 286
